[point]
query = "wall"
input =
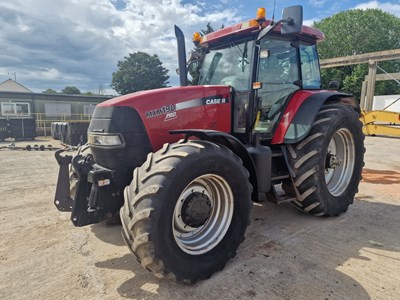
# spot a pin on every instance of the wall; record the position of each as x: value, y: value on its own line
x: 380, y: 102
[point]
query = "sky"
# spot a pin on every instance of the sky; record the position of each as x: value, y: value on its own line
x: 57, y: 43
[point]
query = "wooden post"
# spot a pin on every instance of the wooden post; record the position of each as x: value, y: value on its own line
x: 363, y: 93
x: 371, y: 85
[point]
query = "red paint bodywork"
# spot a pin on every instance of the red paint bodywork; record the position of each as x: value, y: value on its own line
x: 212, y: 116
x: 293, y: 106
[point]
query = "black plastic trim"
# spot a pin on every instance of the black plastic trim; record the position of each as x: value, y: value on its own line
x: 124, y: 121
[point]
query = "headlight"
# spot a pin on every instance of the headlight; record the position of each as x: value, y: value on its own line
x: 105, y: 139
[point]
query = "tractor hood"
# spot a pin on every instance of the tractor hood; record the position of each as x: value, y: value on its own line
x: 152, y: 99
x: 188, y: 107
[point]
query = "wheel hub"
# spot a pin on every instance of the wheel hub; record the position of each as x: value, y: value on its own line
x: 332, y: 161
x: 196, y: 210
x: 203, y: 214
x: 339, y: 163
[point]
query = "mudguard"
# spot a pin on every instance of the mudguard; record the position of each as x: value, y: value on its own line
x: 301, y: 111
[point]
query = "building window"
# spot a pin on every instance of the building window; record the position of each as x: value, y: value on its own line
x: 88, y: 109
x: 15, y: 109
x: 57, y: 109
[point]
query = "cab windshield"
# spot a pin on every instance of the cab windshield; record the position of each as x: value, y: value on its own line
x: 230, y: 65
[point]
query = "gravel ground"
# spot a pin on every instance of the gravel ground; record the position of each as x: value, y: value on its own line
x: 286, y: 254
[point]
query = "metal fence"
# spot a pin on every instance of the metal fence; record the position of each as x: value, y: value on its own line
x: 43, y: 121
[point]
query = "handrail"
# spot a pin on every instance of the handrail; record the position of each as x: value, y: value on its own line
x: 43, y: 121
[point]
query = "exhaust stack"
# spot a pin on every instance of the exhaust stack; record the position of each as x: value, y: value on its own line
x: 180, y: 39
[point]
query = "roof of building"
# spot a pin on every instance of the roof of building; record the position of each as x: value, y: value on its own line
x: 12, y: 86
x: 52, y: 97
x: 11, y: 89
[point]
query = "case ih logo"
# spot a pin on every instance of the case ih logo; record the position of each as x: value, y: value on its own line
x: 160, y: 111
x: 214, y: 100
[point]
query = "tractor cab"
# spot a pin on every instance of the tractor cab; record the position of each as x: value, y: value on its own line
x: 263, y: 67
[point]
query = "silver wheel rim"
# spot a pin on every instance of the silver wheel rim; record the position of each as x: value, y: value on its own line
x: 201, y: 239
x: 340, y: 162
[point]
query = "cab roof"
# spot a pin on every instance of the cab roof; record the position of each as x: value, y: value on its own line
x: 252, y: 27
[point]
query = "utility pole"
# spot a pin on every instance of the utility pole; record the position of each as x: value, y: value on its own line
x: 13, y: 74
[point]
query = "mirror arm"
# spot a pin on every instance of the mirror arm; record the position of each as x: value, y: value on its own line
x: 272, y: 25
x: 289, y: 21
x: 267, y: 29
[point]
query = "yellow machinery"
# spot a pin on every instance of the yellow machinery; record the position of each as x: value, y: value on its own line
x: 381, y: 122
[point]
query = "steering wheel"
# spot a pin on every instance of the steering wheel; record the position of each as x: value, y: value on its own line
x: 275, y: 108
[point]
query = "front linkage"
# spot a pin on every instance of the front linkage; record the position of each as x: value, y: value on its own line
x: 84, y: 190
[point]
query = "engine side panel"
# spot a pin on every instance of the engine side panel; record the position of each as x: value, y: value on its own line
x: 192, y: 107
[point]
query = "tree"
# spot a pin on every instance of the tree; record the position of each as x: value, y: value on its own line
x: 49, y: 91
x: 356, y: 32
x: 197, y: 55
x: 208, y: 29
x: 100, y: 90
x: 71, y: 90
x: 139, y: 71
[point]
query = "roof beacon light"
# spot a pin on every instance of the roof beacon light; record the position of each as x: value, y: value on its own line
x: 261, y: 14
x: 196, y: 38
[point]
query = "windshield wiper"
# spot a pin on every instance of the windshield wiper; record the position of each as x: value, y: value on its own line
x: 242, y: 54
x: 213, y: 67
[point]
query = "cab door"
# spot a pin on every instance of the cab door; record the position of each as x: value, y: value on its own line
x: 279, y: 74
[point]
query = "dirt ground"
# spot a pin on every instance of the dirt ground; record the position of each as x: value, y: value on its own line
x: 286, y: 254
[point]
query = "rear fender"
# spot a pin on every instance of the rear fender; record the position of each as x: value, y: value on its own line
x: 301, y: 111
x: 233, y: 144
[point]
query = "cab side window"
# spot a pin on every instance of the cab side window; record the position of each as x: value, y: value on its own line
x: 311, y: 77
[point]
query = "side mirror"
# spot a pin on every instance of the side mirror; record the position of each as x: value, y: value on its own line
x: 194, y: 66
x: 334, y: 85
x: 292, y: 19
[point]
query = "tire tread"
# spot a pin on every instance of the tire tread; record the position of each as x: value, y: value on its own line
x: 140, y: 205
x: 305, y: 161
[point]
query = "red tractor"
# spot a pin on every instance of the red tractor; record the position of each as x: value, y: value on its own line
x: 185, y: 163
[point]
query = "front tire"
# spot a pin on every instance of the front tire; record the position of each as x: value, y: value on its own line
x: 187, y: 210
x: 328, y: 163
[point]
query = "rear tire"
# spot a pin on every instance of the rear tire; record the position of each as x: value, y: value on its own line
x: 328, y: 163
x: 187, y: 210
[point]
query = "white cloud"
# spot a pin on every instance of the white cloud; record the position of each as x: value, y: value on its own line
x: 310, y: 22
x: 389, y: 7
x: 51, y: 44
x: 317, y: 3
x: 48, y: 74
